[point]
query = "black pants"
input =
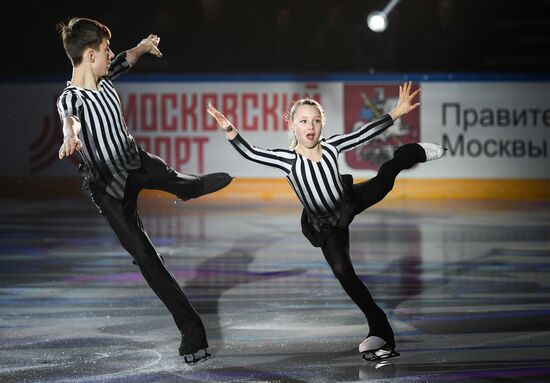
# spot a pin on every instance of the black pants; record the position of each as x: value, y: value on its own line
x: 124, y: 219
x: 335, y: 246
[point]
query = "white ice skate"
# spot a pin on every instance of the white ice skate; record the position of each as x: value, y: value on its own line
x: 374, y: 348
x: 433, y: 151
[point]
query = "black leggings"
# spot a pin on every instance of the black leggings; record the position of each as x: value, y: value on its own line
x: 336, y: 246
x: 124, y: 219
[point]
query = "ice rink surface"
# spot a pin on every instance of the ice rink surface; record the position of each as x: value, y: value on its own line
x: 466, y: 285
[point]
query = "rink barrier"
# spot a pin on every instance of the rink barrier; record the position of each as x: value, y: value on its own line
x: 278, y: 189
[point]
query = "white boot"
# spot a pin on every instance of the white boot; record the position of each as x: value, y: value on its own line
x: 371, y: 344
x: 374, y: 348
x: 433, y: 151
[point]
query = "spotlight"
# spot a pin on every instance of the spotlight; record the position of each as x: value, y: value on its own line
x: 377, y: 21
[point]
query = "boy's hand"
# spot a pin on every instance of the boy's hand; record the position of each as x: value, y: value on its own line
x: 70, y: 144
x: 151, y: 45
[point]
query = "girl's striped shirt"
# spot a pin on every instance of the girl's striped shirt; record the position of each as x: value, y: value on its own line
x: 318, y: 185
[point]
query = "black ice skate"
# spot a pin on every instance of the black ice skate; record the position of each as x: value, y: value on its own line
x: 214, y: 182
x: 197, y: 357
x: 206, y: 184
x: 194, y: 347
x: 374, y: 348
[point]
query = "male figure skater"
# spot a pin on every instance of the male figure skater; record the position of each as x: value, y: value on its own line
x: 115, y: 169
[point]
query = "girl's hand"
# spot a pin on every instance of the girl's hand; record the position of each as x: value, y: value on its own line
x: 405, y: 103
x: 222, y: 121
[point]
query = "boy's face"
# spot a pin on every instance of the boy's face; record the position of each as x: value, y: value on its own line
x: 307, y: 125
x: 102, y: 58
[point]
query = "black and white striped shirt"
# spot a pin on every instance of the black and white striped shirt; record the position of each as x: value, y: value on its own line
x: 318, y: 185
x: 108, y: 151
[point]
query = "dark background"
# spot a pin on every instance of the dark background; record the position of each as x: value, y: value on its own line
x: 293, y: 36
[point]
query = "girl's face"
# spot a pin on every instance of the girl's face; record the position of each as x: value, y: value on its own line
x: 307, y: 125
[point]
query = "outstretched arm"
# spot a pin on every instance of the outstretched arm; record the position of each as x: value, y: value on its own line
x: 278, y: 158
x: 125, y: 60
x: 372, y: 129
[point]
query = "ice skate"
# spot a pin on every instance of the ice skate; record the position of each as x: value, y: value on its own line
x: 433, y: 151
x: 197, y: 357
x: 374, y: 348
x: 214, y: 182
x: 205, y: 184
x: 194, y: 347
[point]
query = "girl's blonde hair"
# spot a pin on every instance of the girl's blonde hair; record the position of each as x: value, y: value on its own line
x: 292, y: 112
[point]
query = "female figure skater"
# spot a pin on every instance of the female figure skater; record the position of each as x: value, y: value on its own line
x: 331, y: 200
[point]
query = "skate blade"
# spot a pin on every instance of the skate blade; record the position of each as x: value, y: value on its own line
x: 197, y: 357
x: 374, y: 356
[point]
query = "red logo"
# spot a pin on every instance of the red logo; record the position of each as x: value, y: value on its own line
x: 366, y: 103
x: 44, y: 151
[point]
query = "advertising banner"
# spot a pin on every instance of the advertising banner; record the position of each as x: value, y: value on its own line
x: 491, y: 129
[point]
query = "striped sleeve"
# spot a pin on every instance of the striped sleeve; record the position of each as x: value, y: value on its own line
x: 365, y: 133
x: 277, y: 158
x: 118, y: 66
x: 69, y: 104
